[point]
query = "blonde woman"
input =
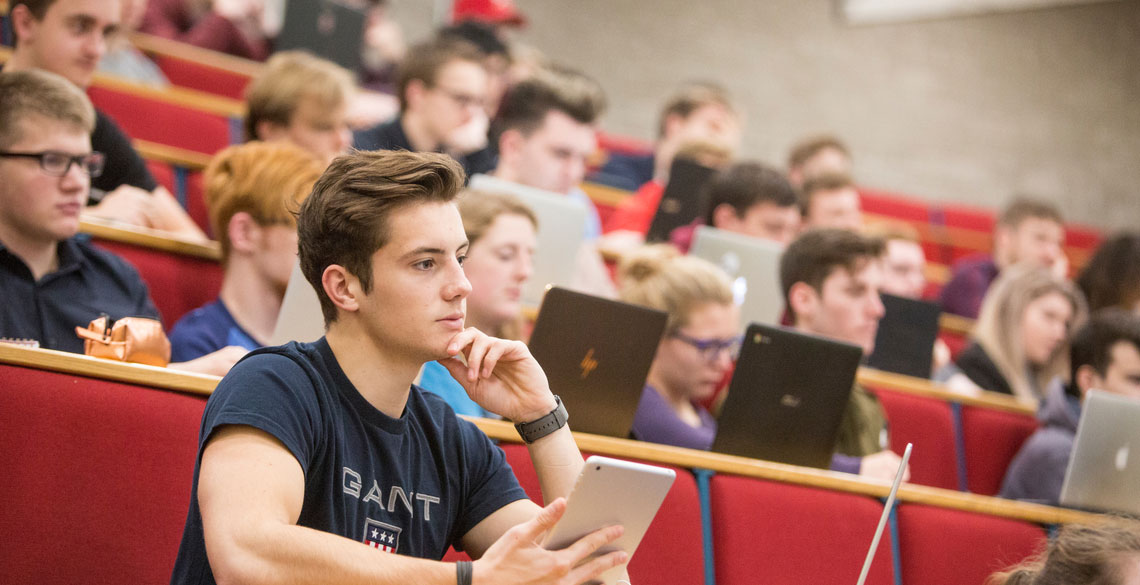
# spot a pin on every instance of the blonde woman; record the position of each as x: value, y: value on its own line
x: 251, y: 191
x: 1021, y: 340
x: 501, y: 231
x: 701, y: 341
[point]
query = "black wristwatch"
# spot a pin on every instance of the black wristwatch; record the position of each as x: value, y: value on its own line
x: 537, y: 429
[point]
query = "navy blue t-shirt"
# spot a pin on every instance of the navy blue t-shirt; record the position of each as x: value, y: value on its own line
x: 206, y: 330
x: 412, y: 486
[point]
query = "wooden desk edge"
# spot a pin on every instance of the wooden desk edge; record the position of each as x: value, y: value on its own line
x: 956, y: 324
x: 771, y: 471
x: 188, y: 159
x: 148, y: 238
x: 89, y: 367
x: 178, y: 50
x: 925, y: 388
x: 199, y: 384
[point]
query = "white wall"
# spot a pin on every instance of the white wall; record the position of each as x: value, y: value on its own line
x: 971, y: 109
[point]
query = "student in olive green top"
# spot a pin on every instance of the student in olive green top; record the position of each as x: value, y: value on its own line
x: 831, y: 280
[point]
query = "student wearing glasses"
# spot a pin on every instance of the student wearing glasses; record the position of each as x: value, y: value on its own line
x: 701, y: 341
x: 50, y: 279
x: 442, y: 86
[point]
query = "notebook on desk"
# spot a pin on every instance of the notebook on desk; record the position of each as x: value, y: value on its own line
x: 561, y: 231
x: 752, y: 264
x: 1103, y: 474
x: 904, y: 343
x: 787, y: 397
x: 596, y: 354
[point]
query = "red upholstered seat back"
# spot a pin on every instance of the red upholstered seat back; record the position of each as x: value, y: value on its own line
x: 939, y: 546
x: 672, y: 549
x: 177, y: 283
x: 991, y: 439
x: 99, y: 477
x: 927, y: 423
x: 148, y: 119
x: 196, y: 202
x: 192, y: 75
x: 768, y: 532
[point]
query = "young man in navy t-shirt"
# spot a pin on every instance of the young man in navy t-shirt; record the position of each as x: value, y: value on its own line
x: 318, y: 459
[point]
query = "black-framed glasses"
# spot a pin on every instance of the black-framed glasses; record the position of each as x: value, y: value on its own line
x: 711, y: 349
x: 56, y: 164
x: 463, y: 100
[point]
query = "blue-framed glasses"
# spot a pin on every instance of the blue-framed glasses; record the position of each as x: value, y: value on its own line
x: 56, y: 164
x: 711, y: 349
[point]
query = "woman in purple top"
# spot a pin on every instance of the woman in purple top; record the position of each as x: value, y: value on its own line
x: 701, y: 341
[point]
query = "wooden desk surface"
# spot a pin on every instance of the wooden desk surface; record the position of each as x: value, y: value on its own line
x: 148, y: 238
x: 202, y: 385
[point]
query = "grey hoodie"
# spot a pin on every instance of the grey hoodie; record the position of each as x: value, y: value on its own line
x: 1038, y: 470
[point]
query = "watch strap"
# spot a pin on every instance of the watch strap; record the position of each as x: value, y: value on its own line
x: 539, y: 428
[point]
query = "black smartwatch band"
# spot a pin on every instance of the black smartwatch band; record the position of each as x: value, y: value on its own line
x: 463, y: 572
x: 537, y: 429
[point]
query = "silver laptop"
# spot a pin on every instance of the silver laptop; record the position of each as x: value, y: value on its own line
x: 1102, y: 474
x: 300, y: 318
x: 753, y: 265
x: 561, y: 231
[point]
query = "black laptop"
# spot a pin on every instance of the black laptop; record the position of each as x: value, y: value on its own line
x: 596, y: 354
x: 683, y: 200
x: 905, y: 341
x: 326, y: 28
x: 787, y: 397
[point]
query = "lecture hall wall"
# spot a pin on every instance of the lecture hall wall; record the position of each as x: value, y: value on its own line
x: 974, y: 109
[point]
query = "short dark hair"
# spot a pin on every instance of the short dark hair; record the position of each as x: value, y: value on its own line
x: 345, y: 219
x: 806, y: 149
x: 1111, y: 278
x: 479, y: 34
x: 829, y: 181
x: 525, y: 106
x: 746, y: 184
x: 425, y: 60
x: 692, y: 97
x: 1092, y: 344
x: 1023, y: 208
x: 38, y: 8
x: 817, y: 253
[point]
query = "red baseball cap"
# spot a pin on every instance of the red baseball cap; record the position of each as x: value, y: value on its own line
x: 493, y: 11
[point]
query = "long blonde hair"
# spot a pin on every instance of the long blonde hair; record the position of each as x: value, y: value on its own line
x: 479, y: 210
x: 999, y: 325
x: 659, y: 277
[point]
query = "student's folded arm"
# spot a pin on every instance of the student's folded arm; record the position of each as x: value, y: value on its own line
x: 250, y: 492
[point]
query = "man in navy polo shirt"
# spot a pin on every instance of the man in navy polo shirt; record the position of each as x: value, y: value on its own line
x: 318, y: 460
x: 51, y: 280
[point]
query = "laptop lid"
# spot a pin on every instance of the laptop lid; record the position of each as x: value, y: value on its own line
x: 561, y: 231
x: 683, y: 200
x: 300, y: 318
x: 1102, y: 473
x: 904, y: 343
x: 596, y: 353
x: 326, y: 28
x: 752, y: 264
x: 787, y: 397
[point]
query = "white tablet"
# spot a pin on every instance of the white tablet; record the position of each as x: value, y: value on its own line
x: 609, y: 492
